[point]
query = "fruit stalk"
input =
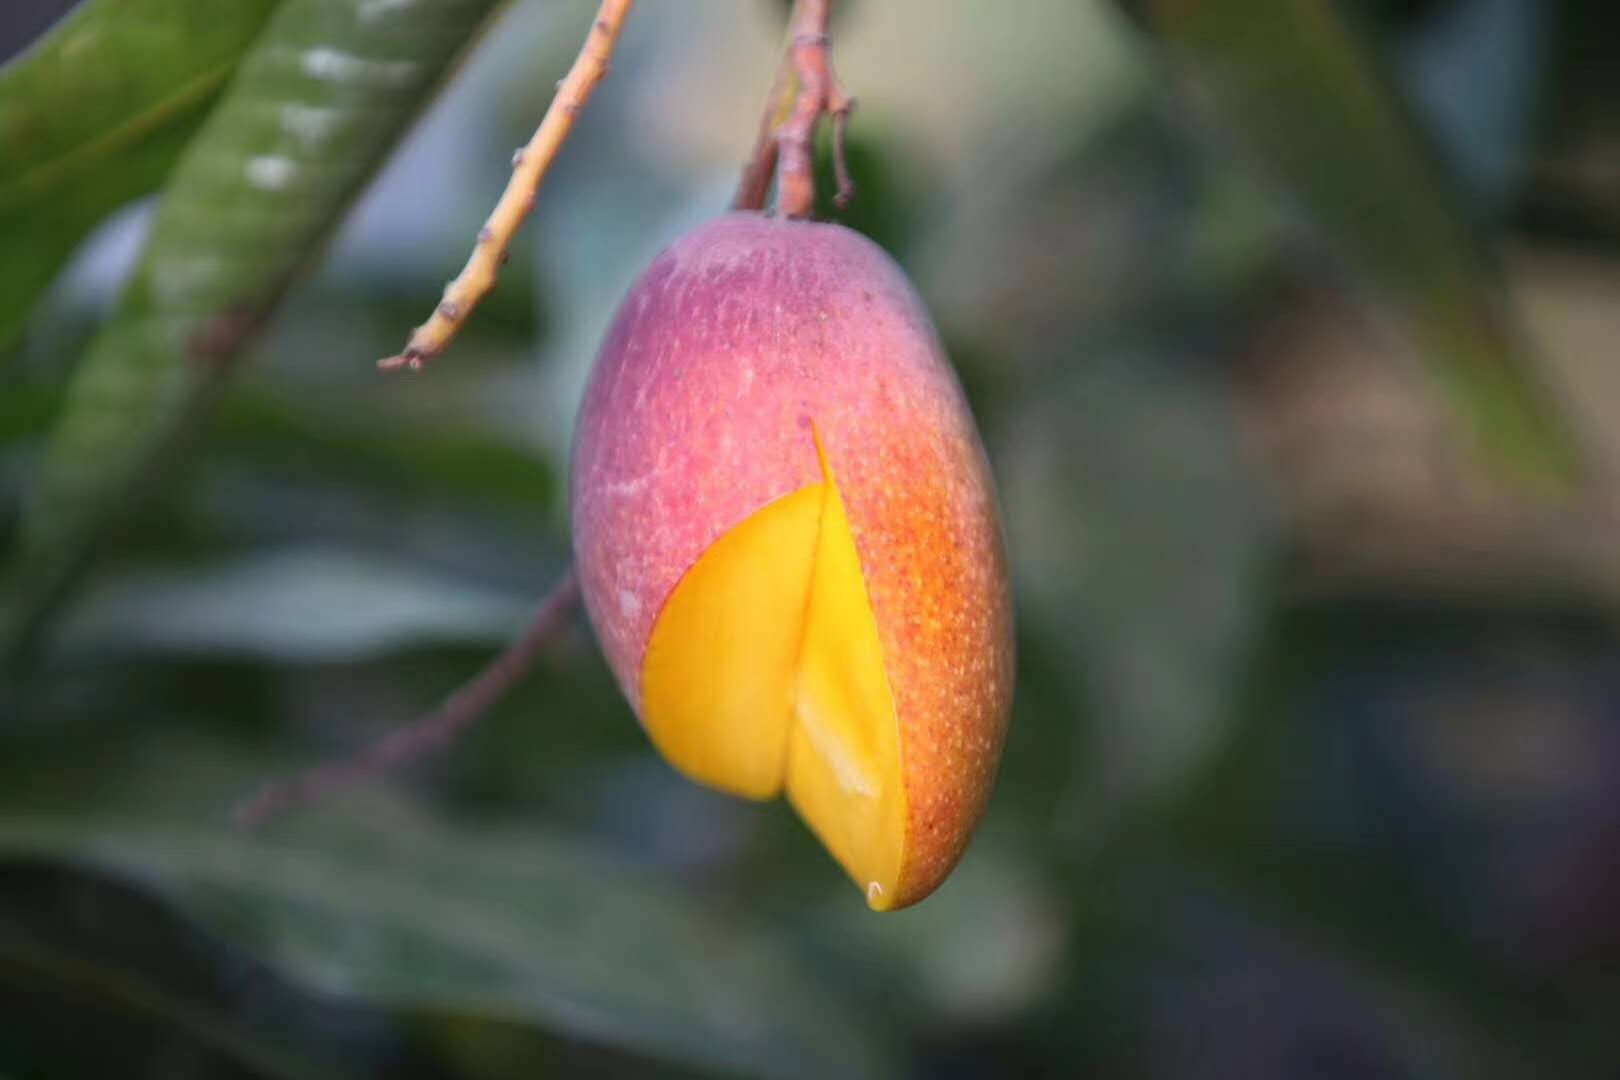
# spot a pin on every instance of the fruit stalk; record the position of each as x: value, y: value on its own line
x: 805, y: 89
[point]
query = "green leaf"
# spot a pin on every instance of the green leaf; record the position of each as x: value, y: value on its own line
x: 1237, y: 824
x: 409, y: 914
x: 79, y: 949
x: 95, y: 115
x: 1307, y: 99
x: 1113, y: 454
x: 463, y: 466
x: 295, y: 604
x: 468, y: 466
x: 326, y: 92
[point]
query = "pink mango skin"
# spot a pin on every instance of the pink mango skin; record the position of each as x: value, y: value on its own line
x: 698, y: 413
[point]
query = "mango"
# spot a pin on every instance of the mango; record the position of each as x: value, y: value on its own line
x: 787, y: 539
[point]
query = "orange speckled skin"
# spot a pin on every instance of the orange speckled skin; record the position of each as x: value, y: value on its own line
x: 735, y: 340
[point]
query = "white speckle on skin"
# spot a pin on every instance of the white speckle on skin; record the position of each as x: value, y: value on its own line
x: 629, y: 605
x: 624, y: 489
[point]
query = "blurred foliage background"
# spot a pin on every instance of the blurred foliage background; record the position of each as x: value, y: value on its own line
x: 1291, y: 326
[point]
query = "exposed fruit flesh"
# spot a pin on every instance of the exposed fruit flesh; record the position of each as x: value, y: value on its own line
x: 764, y: 671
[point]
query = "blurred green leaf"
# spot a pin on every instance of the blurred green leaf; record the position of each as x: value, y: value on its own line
x: 79, y: 948
x: 1112, y: 454
x: 1574, y: 186
x: 294, y: 605
x: 412, y: 914
x: 325, y: 93
x: 1239, y: 822
x: 469, y: 467
x: 95, y: 115
x: 1307, y: 98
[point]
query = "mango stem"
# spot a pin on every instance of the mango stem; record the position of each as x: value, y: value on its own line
x: 804, y: 90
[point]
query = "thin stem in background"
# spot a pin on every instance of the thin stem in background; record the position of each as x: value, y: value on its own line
x: 529, y: 167
x: 429, y: 732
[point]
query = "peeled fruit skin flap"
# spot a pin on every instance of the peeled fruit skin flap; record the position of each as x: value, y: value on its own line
x: 759, y: 376
x: 764, y: 673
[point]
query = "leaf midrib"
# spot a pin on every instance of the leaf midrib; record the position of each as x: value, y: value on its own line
x: 123, y: 135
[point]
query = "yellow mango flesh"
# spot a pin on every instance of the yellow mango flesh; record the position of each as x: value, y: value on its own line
x: 764, y: 672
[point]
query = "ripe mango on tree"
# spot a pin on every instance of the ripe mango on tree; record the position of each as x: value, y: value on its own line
x: 787, y: 539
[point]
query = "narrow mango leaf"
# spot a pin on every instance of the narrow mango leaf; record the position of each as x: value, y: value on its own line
x: 1305, y: 95
x: 82, y: 950
x: 302, y: 603
x: 530, y: 929
x: 326, y: 91
x: 95, y: 115
x: 464, y: 467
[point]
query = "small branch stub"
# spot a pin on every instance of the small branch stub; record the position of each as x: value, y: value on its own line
x: 841, y: 105
x: 529, y: 167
